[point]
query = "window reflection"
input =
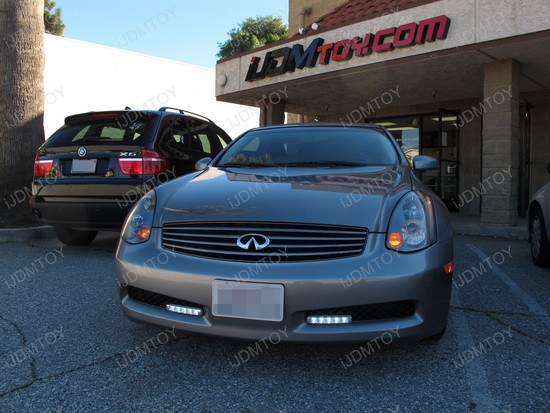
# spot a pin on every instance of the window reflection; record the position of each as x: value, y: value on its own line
x: 407, y: 133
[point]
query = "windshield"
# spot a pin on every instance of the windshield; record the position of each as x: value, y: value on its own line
x: 311, y: 147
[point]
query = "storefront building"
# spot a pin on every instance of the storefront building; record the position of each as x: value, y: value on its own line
x: 467, y: 82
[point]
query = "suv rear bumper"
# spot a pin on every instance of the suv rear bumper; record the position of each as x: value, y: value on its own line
x: 81, y: 215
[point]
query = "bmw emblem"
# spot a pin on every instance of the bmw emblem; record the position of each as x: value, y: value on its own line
x: 82, y: 152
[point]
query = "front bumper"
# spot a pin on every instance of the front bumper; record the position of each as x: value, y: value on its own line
x: 377, y: 276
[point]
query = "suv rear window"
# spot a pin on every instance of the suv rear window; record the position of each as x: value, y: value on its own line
x: 115, y: 130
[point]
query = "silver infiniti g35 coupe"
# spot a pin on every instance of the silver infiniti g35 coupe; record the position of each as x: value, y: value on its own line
x: 321, y: 230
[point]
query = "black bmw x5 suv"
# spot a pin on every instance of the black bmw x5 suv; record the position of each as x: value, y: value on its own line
x: 89, y: 174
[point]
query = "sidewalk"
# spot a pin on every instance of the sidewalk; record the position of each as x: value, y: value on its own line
x: 472, y: 225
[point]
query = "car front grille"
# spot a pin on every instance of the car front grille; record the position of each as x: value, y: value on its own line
x: 288, y: 242
x: 370, y: 312
x: 155, y: 299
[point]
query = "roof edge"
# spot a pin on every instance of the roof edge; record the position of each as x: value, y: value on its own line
x: 419, y: 3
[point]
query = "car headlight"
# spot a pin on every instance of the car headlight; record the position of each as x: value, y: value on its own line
x: 138, y: 224
x: 412, y: 223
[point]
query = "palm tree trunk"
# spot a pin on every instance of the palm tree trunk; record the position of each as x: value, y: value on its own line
x: 21, y: 103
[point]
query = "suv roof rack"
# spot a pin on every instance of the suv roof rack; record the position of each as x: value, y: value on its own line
x: 185, y: 112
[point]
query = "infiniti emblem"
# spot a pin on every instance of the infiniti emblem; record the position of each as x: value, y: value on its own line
x: 82, y: 152
x: 253, y: 242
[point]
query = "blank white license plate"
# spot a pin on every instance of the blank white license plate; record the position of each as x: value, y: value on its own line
x: 83, y: 166
x: 253, y: 301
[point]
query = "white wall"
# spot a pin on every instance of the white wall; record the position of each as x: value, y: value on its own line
x: 83, y: 77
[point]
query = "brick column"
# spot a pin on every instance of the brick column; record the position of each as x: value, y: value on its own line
x: 272, y: 113
x: 500, y: 165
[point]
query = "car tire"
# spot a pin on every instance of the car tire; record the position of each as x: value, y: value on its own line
x: 438, y: 336
x: 74, y: 237
x: 540, y: 245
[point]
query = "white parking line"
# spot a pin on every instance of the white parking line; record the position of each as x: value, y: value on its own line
x: 477, y: 379
x: 526, y: 298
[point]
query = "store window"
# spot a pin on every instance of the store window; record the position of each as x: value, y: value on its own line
x: 434, y: 135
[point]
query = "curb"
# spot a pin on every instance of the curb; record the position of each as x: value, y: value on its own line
x: 25, y: 234
x: 519, y: 233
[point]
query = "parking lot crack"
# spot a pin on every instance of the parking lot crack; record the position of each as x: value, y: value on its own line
x: 493, y: 315
x: 25, y: 343
x: 484, y: 311
x: 57, y: 375
x: 36, y: 379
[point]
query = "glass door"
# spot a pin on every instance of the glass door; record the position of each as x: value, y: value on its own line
x: 449, y: 133
x: 440, y: 134
x: 524, y: 194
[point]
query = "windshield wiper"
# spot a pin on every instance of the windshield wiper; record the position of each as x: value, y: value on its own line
x: 246, y: 165
x: 321, y: 164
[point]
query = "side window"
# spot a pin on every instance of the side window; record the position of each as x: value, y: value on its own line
x: 205, y: 143
x: 203, y: 138
x: 223, y: 137
x: 173, y: 141
x: 222, y: 142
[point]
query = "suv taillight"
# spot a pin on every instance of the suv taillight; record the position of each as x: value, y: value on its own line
x: 150, y: 163
x: 42, y: 168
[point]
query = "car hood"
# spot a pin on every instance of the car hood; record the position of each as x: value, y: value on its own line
x: 360, y: 197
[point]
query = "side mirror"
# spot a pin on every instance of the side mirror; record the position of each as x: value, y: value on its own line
x: 423, y: 163
x: 202, y: 164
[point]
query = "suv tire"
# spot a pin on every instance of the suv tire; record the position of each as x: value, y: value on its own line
x: 74, y: 237
x: 540, y: 246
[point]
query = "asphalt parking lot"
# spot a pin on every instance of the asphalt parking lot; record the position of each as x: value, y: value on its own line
x: 66, y: 347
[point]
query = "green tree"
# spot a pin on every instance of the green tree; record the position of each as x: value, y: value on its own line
x: 251, y: 34
x: 53, y: 19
